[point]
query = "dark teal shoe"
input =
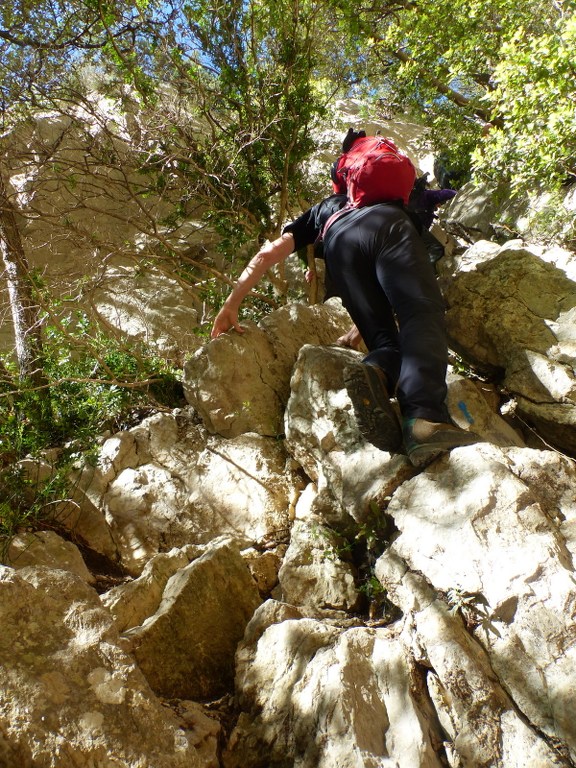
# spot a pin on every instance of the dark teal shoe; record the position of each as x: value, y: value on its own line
x: 425, y: 440
x: 377, y: 420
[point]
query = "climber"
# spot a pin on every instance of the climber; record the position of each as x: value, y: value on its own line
x: 380, y: 269
x: 423, y: 204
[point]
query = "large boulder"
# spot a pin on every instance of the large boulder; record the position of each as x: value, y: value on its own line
x: 241, y: 382
x: 68, y: 687
x: 186, y: 649
x: 488, y: 533
x: 319, y: 696
x: 511, y: 310
x: 167, y: 483
x: 321, y: 433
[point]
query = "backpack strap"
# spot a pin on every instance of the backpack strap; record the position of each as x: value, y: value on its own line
x: 331, y: 219
x: 350, y: 207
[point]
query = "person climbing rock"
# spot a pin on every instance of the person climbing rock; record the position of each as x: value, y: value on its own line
x: 379, y: 267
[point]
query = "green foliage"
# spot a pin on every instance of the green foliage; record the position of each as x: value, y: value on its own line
x: 474, y: 609
x: 235, y: 109
x: 95, y: 384
x: 535, y: 144
x: 233, y: 88
x: 459, y: 64
x: 372, y: 588
x: 29, y: 504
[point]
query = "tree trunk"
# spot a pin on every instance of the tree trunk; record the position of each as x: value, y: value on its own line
x: 25, y: 314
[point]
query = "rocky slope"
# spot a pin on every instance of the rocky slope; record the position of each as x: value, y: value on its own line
x: 245, y: 583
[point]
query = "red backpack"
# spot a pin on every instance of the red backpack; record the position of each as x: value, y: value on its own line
x: 373, y: 170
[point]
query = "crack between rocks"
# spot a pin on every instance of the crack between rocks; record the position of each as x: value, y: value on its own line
x: 554, y: 744
x: 237, y: 466
x: 560, y: 748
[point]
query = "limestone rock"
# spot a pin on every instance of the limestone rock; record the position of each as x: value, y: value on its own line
x: 486, y: 528
x: 315, y: 696
x: 314, y: 576
x: 485, y: 211
x: 133, y: 602
x: 478, y: 716
x: 167, y: 483
x: 241, y: 382
x: 68, y: 689
x: 204, y: 732
x: 264, y: 567
x: 76, y: 513
x: 469, y: 408
x: 186, y: 649
x: 510, y: 309
x: 152, y: 307
x: 48, y: 549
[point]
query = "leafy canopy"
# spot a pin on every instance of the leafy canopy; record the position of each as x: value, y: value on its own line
x: 535, y: 99
x: 462, y: 64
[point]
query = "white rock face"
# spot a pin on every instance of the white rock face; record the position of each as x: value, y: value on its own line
x: 151, y: 307
x: 485, y: 529
x: 324, y: 603
x: 251, y: 397
x: 91, y: 233
x: 167, y: 483
x: 68, y: 687
x: 509, y: 307
x: 323, y: 696
x: 186, y: 649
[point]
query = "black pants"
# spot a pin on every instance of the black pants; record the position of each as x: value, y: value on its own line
x: 434, y: 247
x: 379, y: 267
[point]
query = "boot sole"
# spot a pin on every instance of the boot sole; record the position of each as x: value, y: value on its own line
x: 426, y: 452
x: 376, y: 419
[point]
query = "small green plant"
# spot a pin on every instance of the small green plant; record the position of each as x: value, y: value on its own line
x: 28, y: 503
x: 372, y: 588
x: 96, y: 383
x: 474, y: 609
x: 373, y: 535
x: 334, y: 546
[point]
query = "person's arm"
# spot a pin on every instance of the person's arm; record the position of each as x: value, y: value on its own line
x: 267, y: 256
x: 435, y: 197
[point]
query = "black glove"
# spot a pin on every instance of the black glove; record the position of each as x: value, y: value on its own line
x: 351, y: 137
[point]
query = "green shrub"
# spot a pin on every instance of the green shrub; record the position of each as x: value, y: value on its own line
x: 95, y: 384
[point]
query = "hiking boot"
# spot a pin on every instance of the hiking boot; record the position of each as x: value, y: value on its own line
x: 425, y: 440
x: 378, y: 423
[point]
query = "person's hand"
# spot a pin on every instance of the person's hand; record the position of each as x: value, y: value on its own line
x: 309, y: 275
x: 351, y: 339
x: 225, y: 320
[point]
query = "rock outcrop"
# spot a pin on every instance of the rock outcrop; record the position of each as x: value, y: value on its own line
x: 363, y: 613
x: 71, y: 694
x: 510, y: 309
x: 244, y: 582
